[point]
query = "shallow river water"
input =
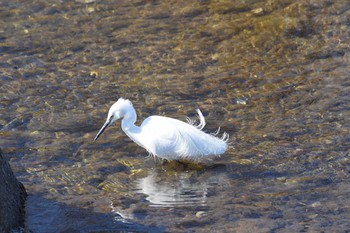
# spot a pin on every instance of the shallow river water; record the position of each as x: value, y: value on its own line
x: 274, y: 74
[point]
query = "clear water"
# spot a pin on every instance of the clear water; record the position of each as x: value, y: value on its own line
x: 273, y: 74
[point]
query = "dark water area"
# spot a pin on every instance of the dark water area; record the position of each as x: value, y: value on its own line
x: 273, y: 74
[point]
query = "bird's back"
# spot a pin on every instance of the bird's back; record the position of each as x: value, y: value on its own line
x: 169, y: 138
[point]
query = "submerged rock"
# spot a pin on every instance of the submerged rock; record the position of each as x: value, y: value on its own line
x: 12, y: 199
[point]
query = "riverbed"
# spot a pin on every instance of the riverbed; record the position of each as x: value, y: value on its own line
x: 273, y: 74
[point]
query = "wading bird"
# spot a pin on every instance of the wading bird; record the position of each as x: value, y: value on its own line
x: 166, y: 137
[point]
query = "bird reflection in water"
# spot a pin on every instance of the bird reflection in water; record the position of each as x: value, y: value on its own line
x: 184, y: 188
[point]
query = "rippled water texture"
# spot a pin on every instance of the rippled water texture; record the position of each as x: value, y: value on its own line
x: 274, y: 74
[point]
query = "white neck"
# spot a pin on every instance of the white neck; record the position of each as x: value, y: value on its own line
x: 130, y: 129
x: 129, y: 119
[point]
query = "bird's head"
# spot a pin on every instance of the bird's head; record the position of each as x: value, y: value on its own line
x: 118, y: 110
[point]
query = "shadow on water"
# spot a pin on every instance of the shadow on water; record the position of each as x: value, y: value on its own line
x: 44, y: 216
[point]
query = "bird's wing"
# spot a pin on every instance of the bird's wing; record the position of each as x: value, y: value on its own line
x: 168, y: 137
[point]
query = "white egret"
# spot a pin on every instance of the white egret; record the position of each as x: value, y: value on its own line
x: 166, y: 137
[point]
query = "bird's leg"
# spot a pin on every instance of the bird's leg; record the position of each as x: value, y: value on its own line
x: 181, y: 162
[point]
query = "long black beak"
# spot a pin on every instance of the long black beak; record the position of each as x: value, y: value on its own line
x: 105, y: 125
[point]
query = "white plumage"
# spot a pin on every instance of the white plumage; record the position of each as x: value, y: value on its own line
x: 166, y: 137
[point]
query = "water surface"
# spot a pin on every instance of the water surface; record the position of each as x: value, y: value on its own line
x: 273, y: 74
